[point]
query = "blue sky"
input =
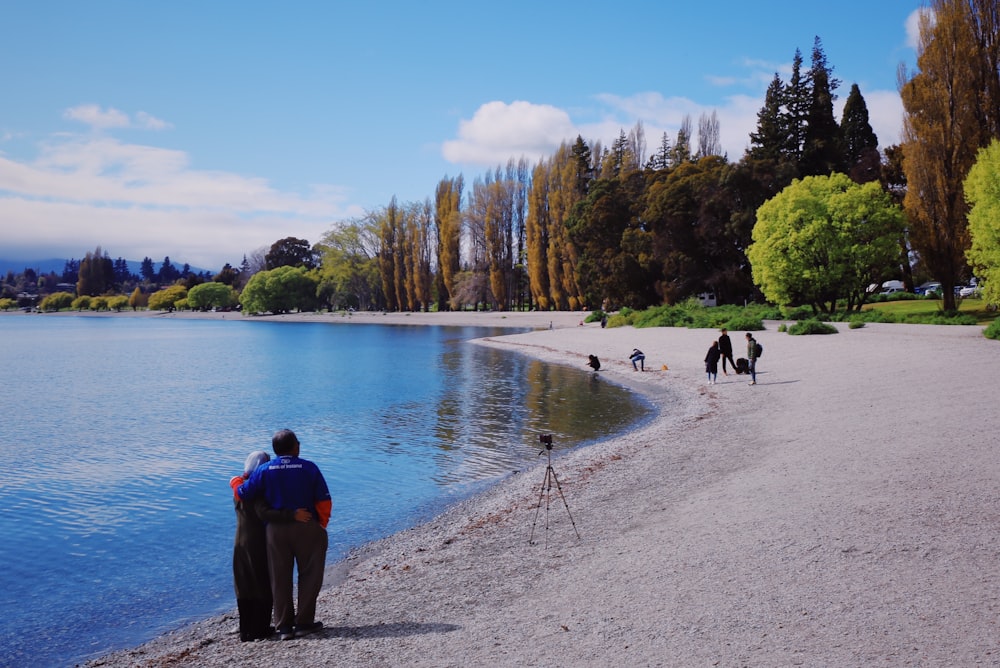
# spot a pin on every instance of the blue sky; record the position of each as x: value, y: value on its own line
x: 206, y: 130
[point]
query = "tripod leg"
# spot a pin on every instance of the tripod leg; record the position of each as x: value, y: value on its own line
x: 545, y: 483
x: 563, y: 497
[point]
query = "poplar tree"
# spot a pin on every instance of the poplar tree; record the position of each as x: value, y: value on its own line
x: 96, y: 275
x: 943, y: 126
x: 448, y: 222
x: 388, y: 231
x: 537, y: 224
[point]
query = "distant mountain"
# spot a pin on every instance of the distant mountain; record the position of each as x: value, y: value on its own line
x: 58, y: 264
x: 40, y: 266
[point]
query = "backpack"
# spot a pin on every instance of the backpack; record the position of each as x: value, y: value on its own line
x: 758, y: 350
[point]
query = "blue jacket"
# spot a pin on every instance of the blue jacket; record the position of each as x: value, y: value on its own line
x: 287, y: 483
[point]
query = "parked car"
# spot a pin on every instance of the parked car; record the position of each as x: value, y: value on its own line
x: 968, y: 291
x: 929, y: 287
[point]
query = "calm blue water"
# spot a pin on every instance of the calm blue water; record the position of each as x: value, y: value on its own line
x: 119, y: 436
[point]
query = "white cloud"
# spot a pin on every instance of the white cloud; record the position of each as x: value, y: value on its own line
x: 103, y: 119
x: 499, y: 131
x: 151, y: 122
x: 885, y: 114
x: 95, y: 117
x: 913, y: 27
x: 137, y: 200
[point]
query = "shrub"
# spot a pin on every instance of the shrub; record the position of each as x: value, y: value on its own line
x: 811, y: 326
x: 855, y: 322
x: 745, y: 322
x: 782, y: 327
x: 796, y: 312
x: 993, y: 330
x: 595, y: 316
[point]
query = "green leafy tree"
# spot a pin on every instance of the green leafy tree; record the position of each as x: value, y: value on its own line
x: 982, y: 189
x: 205, y: 296
x: 117, y: 302
x: 290, y: 252
x: 822, y: 239
x: 349, y: 274
x: 6, y: 303
x: 280, y: 291
x: 81, y: 303
x: 57, y: 301
x: 167, y: 298
x: 613, y: 251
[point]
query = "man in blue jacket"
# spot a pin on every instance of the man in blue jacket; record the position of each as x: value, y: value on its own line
x: 289, y: 482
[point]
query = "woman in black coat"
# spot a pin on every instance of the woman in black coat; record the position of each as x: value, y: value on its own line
x: 712, y: 362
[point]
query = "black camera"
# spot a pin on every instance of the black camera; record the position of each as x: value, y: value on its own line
x: 546, y: 439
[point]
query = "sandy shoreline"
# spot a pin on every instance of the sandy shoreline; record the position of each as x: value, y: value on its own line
x: 842, y: 512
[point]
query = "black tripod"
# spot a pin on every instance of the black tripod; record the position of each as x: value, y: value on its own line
x: 546, y: 493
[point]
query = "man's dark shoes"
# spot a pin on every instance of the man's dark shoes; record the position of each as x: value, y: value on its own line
x: 287, y: 633
x: 306, y: 629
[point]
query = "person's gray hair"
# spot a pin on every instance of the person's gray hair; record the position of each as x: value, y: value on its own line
x: 255, y: 459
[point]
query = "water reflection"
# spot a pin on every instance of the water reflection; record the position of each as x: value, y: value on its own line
x: 128, y: 429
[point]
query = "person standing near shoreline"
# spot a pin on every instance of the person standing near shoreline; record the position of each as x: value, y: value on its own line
x: 752, y: 358
x: 251, y: 578
x: 712, y: 362
x: 287, y: 483
x: 726, y: 350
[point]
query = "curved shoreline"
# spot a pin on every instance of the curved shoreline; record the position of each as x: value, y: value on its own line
x: 841, y: 512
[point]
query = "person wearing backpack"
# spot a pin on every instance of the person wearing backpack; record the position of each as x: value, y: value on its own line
x: 753, y: 352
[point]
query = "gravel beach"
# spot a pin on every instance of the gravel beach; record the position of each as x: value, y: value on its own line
x: 842, y: 512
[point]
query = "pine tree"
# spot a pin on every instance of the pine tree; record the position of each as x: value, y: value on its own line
x: 860, y: 143
x: 772, y: 139
x: 797, y: 98
x: 821, y: 150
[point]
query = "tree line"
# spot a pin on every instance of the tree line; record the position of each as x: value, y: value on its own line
x: 810, y: 214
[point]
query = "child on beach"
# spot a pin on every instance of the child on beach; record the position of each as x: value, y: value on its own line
x: 712, y: 362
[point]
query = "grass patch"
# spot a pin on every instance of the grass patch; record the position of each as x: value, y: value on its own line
x: 929, y: 312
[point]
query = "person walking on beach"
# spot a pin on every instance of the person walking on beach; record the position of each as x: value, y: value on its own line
x: 712, y: 362
x: 251, y: 579
x: 638, y: 356
x: 726, y: 350
x: 752, y: 358
x: 286, y: 483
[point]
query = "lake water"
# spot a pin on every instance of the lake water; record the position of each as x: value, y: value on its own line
x: 120, y: 435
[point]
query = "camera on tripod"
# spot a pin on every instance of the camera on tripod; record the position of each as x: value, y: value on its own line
x: 546, y: 440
